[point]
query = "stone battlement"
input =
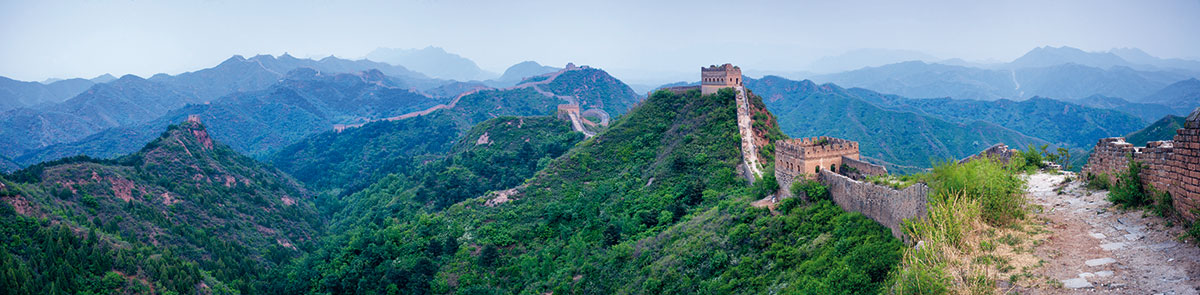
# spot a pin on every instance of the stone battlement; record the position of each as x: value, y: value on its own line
x: 1172, y: 166
x: 714, y: 78
x: 805, y: 157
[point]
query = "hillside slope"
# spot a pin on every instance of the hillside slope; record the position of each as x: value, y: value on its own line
x: 651, y: 205
x: 182, y: 196
x: 1163, y: 129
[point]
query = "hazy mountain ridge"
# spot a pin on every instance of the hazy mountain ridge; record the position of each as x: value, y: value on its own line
x: 432, y: 61
x: 254, y: 122
x: 19, y: 94
x: 132, y: 100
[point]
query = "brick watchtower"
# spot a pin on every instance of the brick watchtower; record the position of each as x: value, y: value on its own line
x: 713, y: 78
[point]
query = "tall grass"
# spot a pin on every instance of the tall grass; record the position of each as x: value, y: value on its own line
x: 997, y: 189
x: 965, y: 200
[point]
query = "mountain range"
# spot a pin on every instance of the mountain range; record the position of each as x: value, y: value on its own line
x: 1152, y: 87
x: 307, y: 102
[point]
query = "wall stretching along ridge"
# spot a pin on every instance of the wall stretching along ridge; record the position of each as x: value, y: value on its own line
x: 1172, y: 166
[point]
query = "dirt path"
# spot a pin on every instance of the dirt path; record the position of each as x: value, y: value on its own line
x: 1095, y: 247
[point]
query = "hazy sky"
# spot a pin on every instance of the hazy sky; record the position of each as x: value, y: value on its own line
x: 42, y: 39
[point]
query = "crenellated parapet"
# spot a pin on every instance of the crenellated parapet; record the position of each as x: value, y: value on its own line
x: 714, y: 78
x: 805, y: 157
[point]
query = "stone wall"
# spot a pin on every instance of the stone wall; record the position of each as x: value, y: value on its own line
x: 1171, y: 166
x: 882, y: 204
x: 801, y: 157
x: 998, y: 151
x: 1183, y: 167
x: 864, y: 168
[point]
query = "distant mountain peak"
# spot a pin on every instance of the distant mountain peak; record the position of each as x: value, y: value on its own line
x: 432, y: 61
x: 1046, y: 56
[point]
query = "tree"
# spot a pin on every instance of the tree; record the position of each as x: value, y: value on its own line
x: 487, y: 257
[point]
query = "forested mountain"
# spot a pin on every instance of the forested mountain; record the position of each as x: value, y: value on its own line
x: 651, y: 205
x: 308, y: 102
x: 185, y: 215
x: 1163, y: 129
x: 1146, y: 111
x: 132, y: 100
x: 518, y: 72
x: 1058, y: 122
x: 594, y: 89
x: 900, y: 139
x: 128, y: 100
x: 255, y: 122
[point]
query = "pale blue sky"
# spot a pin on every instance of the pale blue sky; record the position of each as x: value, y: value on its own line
x: 53, y: 38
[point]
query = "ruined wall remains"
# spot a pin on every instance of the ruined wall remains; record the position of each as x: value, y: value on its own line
x: 803, y: 157
x: 864, y: 168
x: 998, y: 151
x: 1171, y: 166
x: 882, y: 204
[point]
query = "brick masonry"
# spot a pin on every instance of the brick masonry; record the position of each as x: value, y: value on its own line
x: 882, y: 204
x: 803, y: 157
x: 1172, y: 166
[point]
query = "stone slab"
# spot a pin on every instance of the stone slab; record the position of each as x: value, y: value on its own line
x: 1076, y: 283
x: 1100, y: 261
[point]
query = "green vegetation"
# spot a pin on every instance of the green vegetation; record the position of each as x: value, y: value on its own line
x: 810, y: 189
x: 1098, y: 181
x: 1163, y: 129
x: 998, y: 190
x: 652, y: 205
x: 898, y: 182
x: 968, y: 203
x: 183, y: 210
x: 602, y: 91
x: 1128, y: 189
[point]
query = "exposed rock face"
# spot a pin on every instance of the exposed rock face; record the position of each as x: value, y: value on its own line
x: 1172, y: 166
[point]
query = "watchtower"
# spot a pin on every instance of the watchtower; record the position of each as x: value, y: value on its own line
x: 804, y: 157
x: 713, y: 78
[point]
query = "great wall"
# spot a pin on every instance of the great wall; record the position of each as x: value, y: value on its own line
x: 568, y: 111
x: 1171, y: 166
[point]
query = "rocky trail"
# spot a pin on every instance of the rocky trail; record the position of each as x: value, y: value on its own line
x: 1095, y: 247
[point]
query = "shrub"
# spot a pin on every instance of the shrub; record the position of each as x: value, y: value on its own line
x: 998, y: 191
x: 766, y: 185
x: 811, y: 189
x: 1163, y: 204
x: 1097, y: 181
x: 1128, y: 191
